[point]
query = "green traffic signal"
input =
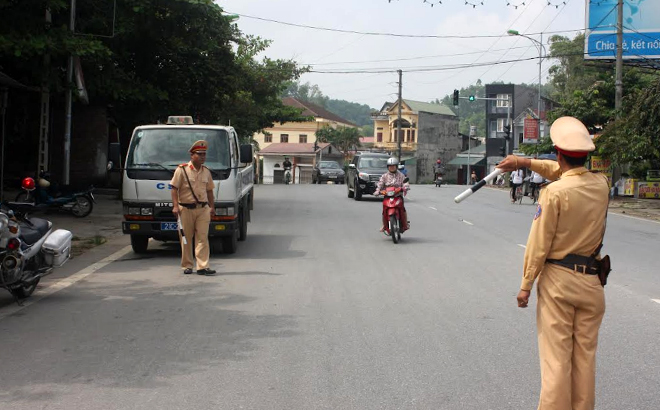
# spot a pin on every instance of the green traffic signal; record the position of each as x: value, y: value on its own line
x: 471, y: 98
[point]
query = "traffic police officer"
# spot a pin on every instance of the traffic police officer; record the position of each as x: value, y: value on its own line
x: 569, y: 221
x: 192, y: 199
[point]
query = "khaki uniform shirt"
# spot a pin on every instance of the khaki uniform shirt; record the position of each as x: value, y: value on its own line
x: 201, y: 181
x: 570, y: 217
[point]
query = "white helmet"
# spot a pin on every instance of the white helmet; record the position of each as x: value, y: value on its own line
x: 392, y: 161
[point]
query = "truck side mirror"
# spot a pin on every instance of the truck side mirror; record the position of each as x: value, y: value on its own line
x: 246, y: 153
x: 352, y: 166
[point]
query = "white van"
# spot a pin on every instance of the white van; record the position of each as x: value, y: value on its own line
x: 153, y: 155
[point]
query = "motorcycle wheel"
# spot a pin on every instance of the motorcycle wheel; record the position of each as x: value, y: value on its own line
x: 23, y: 197
x: 82, y: 207
x: 26, y: 290
x: 394, y: 229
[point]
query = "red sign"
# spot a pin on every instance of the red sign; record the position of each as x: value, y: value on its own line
x: 531, y: 131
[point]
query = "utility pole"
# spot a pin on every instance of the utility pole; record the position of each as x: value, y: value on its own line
x: 44, y: 118
x: 67, y: 124
x: 398, y: 123
x: 538, y: 136
x: 618, y: 96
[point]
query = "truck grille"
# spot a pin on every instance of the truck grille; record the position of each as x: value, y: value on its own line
x: 374, y: 178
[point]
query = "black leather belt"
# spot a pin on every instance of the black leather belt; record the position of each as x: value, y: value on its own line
x: 194, y: 206
x: 578, y: 263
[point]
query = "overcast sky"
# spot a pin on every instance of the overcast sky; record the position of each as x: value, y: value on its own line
x: 326, y: 50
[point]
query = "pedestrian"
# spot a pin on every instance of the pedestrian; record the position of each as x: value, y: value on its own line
x: 565, y: 237
x: 192, y: 200
x: 473, y: 178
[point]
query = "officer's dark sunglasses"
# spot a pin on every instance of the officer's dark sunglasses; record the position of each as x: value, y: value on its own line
x: 201, y: 153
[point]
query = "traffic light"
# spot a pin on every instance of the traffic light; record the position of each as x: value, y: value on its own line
x: 455, y: 97
x: 507, y: 131
x: 472, y: 98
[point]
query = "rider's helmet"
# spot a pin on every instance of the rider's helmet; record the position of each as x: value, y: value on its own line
x: 392, y: 161
x: 439, y: 161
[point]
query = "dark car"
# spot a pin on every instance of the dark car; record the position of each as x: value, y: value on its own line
x: 327, y: 171
x: 364, y: 172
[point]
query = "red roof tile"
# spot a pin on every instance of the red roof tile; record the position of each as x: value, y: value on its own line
x: 313, y: 110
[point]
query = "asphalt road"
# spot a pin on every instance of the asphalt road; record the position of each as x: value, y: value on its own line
x: 318, y: 310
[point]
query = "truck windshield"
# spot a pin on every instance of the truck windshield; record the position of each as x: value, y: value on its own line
x: 373, y: 162
x: 168, y: 147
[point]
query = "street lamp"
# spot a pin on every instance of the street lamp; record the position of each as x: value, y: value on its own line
x: 541, y: 48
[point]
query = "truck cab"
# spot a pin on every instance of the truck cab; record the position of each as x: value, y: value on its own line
x: 154, y: 153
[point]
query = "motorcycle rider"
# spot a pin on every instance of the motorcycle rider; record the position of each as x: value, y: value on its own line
x: 393, y: 178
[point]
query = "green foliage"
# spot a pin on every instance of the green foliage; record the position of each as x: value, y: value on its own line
x: 167, y: 57
x: 635, y: 138
x: 344, y: 138
x: 359, y: 114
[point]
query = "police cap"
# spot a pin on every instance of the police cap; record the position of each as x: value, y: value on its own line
x: 571, y: 138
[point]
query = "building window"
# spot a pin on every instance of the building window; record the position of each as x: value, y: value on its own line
x: 379, y: 137
x: 379, y: 128
x: 500, y: 124
x: 302, y: 139
x: 412, y: 138
x: 500, y: 98
x: 284, y: 138
x: 268, y: 138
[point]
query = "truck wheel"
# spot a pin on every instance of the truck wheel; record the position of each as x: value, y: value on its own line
x: 139, y: 243
x: 242, y: 225
x: 230, y: 244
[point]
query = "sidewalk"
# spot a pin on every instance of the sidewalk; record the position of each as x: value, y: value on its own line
x: 639, y: 208
x: 103, y: 224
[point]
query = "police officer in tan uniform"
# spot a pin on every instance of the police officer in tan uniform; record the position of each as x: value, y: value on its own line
x: 568, y: 225
x: 192, y: 199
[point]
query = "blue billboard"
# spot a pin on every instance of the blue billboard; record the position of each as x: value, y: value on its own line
x: 641, y: 29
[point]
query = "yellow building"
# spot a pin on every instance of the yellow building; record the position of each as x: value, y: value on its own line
x: 300, y: 132
x: 386, y: 123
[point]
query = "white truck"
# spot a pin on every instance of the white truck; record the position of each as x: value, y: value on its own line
x: 153, y: 155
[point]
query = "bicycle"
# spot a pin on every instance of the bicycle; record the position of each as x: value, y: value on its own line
x: 518, y: 195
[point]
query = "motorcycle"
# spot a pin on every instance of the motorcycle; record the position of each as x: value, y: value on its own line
x: 29, y: 249
x: 287, y: 176
x: 393, y: 211
x: 80, y: 204
x: 438, y: 180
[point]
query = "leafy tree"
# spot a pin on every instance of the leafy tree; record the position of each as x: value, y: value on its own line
x: 635, y: 138
x: 344, y: 138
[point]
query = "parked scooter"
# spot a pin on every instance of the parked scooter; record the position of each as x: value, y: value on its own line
x: 29, y: 249
x: 393, y: 210
x: 80, y: 204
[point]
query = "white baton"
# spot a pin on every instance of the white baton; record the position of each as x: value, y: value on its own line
x: 180, y: 226
x: 478, y: 185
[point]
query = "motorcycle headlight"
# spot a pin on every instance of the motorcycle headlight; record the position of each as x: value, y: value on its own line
x: 4, y: 222
x: 364, y: 176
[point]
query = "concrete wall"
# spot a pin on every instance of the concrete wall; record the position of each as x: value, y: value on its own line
x: 438, y: 138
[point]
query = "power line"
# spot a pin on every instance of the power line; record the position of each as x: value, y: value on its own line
x: 370, y: 33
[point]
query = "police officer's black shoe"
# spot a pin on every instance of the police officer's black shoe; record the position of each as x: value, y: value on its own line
x: 187, y: 271
x: 205, y: 272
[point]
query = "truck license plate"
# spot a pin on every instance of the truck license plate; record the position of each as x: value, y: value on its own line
x: 168, y: 226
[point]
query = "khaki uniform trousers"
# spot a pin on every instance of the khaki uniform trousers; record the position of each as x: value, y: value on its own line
x: 569, y: 312
x: 195, y: 225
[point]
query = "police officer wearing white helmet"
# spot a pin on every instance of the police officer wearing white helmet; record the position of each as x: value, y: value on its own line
x: 392, y: 178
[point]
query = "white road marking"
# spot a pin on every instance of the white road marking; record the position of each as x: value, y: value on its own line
x: 656, y: 300
x: 522, y: 246
x: 467, y: 222
x: 66, y: 282
x: 632, y: 217
x: 435, y: 209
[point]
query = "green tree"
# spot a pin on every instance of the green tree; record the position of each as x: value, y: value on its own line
x: 344, y: 138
